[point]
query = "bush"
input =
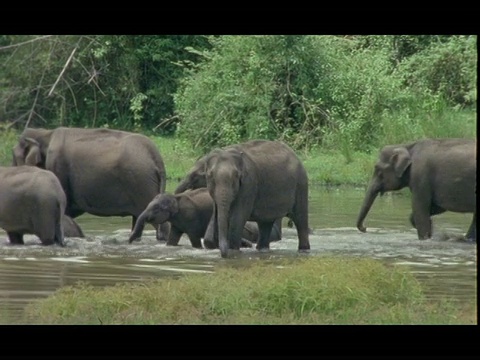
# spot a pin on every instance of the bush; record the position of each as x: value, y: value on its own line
x: 447, y: 69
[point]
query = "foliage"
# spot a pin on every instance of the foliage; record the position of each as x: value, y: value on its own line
x: 8, y: 139
x: 251, y: 87
x: 117, y: 81
x: 445, y: 68
x: 319, y: 290
x: 345, y: 93
x: 331, y: 91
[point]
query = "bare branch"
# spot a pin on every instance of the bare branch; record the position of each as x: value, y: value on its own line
x: 25, y: 42
x: 32, y: 109
x: 63, y: 70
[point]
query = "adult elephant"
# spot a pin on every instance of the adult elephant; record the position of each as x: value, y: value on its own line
x: 441, y: 175
x: 190, y: 212
x: 103, y: 172
x: 32, y: 201
x: 258, y: 180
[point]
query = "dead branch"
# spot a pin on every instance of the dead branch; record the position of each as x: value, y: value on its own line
x: 63, y: 70
x: 25, y: 42
x: 166, y: 121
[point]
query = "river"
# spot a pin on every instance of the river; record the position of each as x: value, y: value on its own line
x: 445, y: 264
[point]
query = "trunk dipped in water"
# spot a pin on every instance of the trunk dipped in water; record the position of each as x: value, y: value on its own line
x: 370, y: 196
x: 138, y: 229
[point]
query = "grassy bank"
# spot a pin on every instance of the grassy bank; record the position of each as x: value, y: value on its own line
x: 320, y: 290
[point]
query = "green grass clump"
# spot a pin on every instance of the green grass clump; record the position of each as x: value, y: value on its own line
x: 8, y: 139
x: 177, y: 155
x: 316, y: 290
x: 335, y: 168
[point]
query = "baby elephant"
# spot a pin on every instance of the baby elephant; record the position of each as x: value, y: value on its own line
x: 32, y: 201
x: 190, y: 212
x: 71, y: 228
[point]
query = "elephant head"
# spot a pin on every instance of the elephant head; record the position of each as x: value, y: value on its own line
x: 195, y: 178
x: 157, y: 212
x: 391, y: 173
x: 28, y: 152
x: 31, y: 148
x: 225, y: 173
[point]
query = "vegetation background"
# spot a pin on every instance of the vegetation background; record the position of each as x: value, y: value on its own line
x: 345, y: 93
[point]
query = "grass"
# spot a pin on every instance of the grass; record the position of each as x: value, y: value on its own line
x: 316, y: 290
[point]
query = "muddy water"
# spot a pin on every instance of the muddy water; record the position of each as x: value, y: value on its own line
x: 446, y: 265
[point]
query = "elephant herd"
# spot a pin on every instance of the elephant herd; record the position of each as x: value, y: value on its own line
x: 231, y: 198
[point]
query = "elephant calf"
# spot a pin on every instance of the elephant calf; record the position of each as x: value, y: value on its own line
x: 190, y: 212
x: 71, y: 228
x: 32, y: 201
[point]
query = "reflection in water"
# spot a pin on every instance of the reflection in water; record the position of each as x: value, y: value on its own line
x: 445, y: 265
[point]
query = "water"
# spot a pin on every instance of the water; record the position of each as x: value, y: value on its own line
x: 446, y: 265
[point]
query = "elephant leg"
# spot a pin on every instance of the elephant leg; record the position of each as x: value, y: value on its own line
x: 210, y: 239
x: 265, y: 229
x: 434, y: 210
x: 421, y: 218
x: 236, y: 223
x: 174, y: 236
x: 196, y: 242
x: 472, y: 230
x: 235, y: 231
x: 15, y: 238
x: 162, y: 231
x: 299, y: 217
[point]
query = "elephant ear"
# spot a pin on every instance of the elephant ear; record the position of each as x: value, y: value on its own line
x: 33, y: 156
x: 27, y: 152
x: 169, y: 203
x: 400, y: 160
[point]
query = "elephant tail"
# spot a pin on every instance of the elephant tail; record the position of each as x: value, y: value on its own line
x: 162, y: 180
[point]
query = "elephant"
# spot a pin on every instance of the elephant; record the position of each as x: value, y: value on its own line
x: 190, y: 212
x: 32, y: 201
x: 71, y: 228
x: 103, y: 172
x: 441, y: 175
x: 258, y: 180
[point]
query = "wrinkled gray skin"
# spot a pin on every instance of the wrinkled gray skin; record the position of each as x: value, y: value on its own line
x: 71, y: 228
x: 190, y: 212
x: 103, y: 172
x: 32, y: 201
x: 441, y: 175
x: 258, y: 180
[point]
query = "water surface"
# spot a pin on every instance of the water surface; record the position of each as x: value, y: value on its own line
x: 446, y: 265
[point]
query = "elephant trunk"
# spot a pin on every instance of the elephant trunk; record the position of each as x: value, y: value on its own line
x: 370, y: 197
x: 138, y: 229
x: 222, y: 215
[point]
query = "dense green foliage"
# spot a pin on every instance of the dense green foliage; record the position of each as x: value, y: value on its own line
x: 317, y: 290
x: 339, y: 92
x: 336, y: 92
x: 118, y: 81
